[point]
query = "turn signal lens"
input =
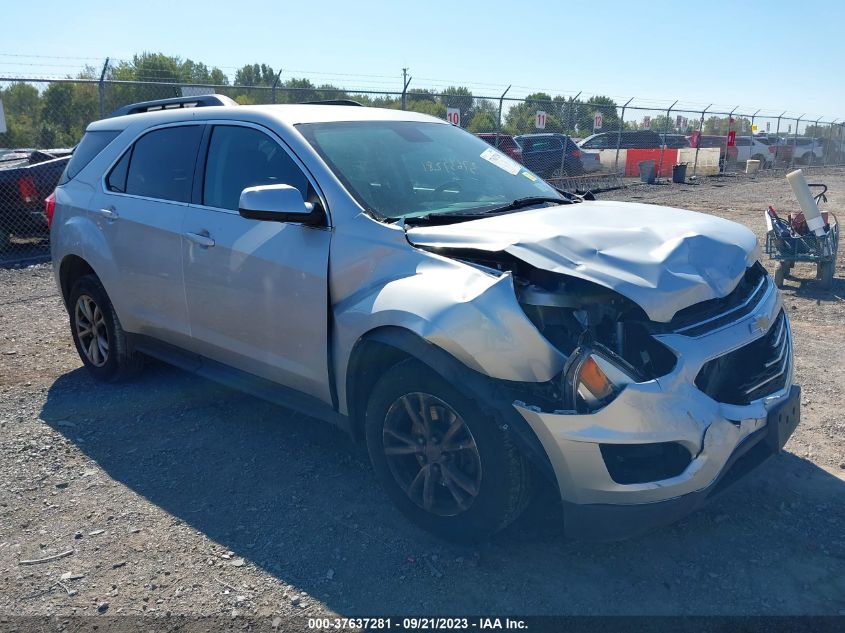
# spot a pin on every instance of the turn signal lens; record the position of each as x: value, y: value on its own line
x: 595, y: 380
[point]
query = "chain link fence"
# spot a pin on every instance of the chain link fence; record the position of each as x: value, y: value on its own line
x: 574, y: 142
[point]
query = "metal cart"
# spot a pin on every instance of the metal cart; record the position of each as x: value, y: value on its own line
x: 809, y: 247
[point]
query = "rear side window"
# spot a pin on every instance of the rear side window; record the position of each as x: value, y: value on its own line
x: 241, y: 157
x: 116, y: 180
x: 91, y: 144
x: 162, y: 163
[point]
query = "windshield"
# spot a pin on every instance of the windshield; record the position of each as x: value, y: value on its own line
x: 404, y: 169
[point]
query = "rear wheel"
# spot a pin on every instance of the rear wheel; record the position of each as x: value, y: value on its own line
x: 99, y: 338
x: 446, y: 464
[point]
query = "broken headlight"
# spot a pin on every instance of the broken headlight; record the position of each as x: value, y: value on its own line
x: 594, y: 377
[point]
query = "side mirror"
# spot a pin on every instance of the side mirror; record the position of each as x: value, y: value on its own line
x: 277, y: 203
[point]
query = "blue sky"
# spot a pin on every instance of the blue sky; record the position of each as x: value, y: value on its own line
x: 774, y: 55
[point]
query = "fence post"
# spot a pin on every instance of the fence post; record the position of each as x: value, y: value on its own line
x: 276, y: 83
x: 828, y: 149
x: 571, y: 115
x: 405, y: 83
x: 795, y: 140
x: 619, y: 135
x: 816, y: 125
x: 499, y: 119
x: 665, y: 132
x: 102, y: 89
x: 698, y: 144
x: 727, y: 136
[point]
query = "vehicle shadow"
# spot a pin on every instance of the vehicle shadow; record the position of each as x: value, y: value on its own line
x: 296, y: 498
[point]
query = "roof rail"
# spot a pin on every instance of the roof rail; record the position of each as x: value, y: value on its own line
x: 342, y: 102
x: 174, y: 103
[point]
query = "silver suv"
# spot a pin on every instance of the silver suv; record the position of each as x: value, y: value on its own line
x: 480, y: 330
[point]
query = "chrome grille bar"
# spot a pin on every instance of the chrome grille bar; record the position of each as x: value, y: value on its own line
x: 742, y: 306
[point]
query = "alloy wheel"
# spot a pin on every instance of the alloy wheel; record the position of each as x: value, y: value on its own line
x: 432, y: 454
x: 91, y: 330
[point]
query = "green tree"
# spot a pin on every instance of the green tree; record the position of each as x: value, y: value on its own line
x: 521, y: 117
x: 255, y: 75
x: 458, y: 97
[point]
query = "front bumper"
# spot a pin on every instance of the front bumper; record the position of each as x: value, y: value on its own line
x: 670, y: 409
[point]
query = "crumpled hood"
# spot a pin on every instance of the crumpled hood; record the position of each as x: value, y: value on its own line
x: 661, y: 258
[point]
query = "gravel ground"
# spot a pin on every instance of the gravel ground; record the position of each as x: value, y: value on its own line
x: 175, y: 495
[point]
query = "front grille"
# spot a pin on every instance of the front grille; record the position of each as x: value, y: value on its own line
x: 712, y: 314
x: 750, y: 372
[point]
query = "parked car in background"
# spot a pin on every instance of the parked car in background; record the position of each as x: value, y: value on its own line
x: 779, y: 152
x: 674, y: 141
x: 474, y: 327
x: 628, y: 139
x: 726, y: 154
x: 806, y: 150
x: 26, y: 178
x: 550, y: 155
x: 753, y: 148
x: 591, y: 161
x: 504, y: 142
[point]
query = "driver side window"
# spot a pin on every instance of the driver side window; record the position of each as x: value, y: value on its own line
x: 241, y: 157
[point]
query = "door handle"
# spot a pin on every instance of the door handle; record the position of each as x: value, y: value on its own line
x: 203, y: 240
x: 109, y: 214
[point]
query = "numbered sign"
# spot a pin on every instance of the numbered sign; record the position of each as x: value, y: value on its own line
x: 679, y: 121
x: 597, y: 121
x: 768, y: 126
x: 453, y: 116
x: 646, y: 122
x: 540, y: 120
x: 754, y: 128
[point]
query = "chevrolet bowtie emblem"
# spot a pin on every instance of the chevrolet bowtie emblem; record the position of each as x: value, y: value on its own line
x: 761, y: 324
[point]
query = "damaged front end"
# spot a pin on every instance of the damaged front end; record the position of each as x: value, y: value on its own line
x: 647, y: 412
x: 605, y: 336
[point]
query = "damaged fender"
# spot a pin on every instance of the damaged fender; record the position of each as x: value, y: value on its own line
x: 470, y: 313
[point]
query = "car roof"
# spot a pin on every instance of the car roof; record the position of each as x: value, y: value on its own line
x: 539, y: 134
x: 290, y: 114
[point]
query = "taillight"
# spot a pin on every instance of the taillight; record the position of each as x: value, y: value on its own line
x: 26, y: 186
x: 50, y: 208
x: 576, y: 153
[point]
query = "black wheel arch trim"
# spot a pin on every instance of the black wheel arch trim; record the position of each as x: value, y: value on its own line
x: 492, y: 394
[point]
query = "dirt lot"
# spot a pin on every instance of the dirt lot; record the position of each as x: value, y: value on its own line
x: 175, y: 495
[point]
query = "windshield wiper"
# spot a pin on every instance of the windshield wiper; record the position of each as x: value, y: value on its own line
x: 461, y: 216
x: 520, y: 203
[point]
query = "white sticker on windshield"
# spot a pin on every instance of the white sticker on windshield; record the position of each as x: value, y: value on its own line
x: 501, y: 161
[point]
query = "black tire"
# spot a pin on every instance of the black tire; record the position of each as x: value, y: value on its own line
x: 780, y: 273
x: 119, y: 361
x: 504, y: 479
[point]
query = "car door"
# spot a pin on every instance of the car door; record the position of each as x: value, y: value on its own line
x: 140, y: 213
x: 256, y: 291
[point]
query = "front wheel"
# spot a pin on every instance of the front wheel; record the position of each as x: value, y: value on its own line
x: 99, y: 338
x: 446, y: 464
